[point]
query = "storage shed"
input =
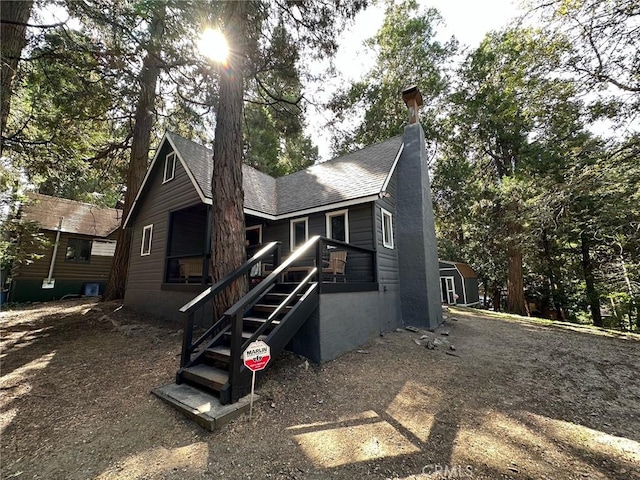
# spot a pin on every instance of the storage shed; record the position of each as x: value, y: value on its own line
x: 458, y: 284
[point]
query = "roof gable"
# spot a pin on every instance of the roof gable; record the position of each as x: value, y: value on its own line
x: 259, y: 188
x: 353, y: 176
x: 78, y: 217
x: 465, y: 269
x: 358, y: 174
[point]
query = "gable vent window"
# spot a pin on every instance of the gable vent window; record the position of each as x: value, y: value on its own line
x: 169, y: 167
x: 387, y: 229
x: 299, y: 232
x: 103, y: 248
x: 147, y: 233
x: 78, y: 250
x: 338, y: 225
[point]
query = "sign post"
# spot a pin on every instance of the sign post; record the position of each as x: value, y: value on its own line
x: 255, y: 358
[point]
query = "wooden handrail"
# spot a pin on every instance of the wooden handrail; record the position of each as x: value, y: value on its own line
x: 350, y: 246
x: 222, y: 284
x: 189, y: 308
x: 258, y: 291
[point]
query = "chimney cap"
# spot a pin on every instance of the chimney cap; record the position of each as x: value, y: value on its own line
x: 412, y: 93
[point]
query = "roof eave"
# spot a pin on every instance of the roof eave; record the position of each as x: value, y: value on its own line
x: 385, y: 184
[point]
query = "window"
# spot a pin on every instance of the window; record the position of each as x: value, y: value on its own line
x: 253, y: 235
x: 78, y: 250
x: 338, y: 225
x: 387, y: 229
x: 299, y: 232
x: 147, y: 233
x: 169, y: 167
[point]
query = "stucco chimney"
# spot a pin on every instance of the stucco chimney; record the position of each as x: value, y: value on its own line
x: 413, y: 99
x: 419, y: 287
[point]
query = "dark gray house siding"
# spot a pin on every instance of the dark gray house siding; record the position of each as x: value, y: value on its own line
x: 472, y: 292
x: 360, y: 227
x: 156, y: 202
x: 388, y: 275
x: 388, y: 303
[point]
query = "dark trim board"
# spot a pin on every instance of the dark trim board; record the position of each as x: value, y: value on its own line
x: 30, y: 290
x: 337, y: 287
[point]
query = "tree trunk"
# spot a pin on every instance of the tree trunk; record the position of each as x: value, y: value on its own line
x: 496, y: 299
x: 14, y: 16
x: 587, y: 268
x: 139, y: 152
x: 555, y: 292
x: 228, y: 228
x: 627, y: 281
x: 515, y: 284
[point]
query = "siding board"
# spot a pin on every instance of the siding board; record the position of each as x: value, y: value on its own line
x: 156, y: 203
x: 97, y: 268
x: 387, y: 258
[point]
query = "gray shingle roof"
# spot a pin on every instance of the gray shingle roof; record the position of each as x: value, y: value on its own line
x: 349, y: 177
x: 80, y: 218
x: 259, y: 188
x: 355, y: 175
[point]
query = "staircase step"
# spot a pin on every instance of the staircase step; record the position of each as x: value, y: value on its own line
x: 258, y: 321
x: 280, y: 295
x: 219, y: 352
x: 207, y: 376
x: 284, y: 287
x: 203, y: 407
x: 245, y: 335
x: 263, y: 307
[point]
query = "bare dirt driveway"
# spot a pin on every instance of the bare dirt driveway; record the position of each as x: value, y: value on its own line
x: 515, y: 399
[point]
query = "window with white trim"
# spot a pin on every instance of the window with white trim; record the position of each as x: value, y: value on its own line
x: 169, y: 167
x: 387, y: 228
x: 338, y: 225
x: 147, y: 233
x: 299, y: 232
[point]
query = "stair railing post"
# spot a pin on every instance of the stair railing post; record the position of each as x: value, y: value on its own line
x: 276, y: 257
x: 319, y: 246
x: 235, y: 354
x: 187, y: 338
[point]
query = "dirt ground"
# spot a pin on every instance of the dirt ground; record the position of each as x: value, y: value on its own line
x: 513, y: 399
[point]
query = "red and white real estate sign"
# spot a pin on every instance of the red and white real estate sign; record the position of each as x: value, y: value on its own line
x: 256, y: 356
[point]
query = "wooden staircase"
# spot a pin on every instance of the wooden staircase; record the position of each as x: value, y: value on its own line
x: 273, y: 311
x: 211, y: 370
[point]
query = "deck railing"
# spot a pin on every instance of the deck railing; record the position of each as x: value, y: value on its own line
x: 308, y: 263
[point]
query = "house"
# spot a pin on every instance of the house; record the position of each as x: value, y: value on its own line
x: 346, y: 250
x: 81, y: 240
x: 458, y: 284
